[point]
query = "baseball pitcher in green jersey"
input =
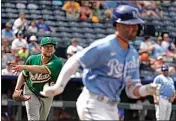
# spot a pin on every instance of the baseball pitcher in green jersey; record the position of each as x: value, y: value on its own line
x: 38, y: 72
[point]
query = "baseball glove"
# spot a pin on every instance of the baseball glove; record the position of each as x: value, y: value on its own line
x: 18, y: 96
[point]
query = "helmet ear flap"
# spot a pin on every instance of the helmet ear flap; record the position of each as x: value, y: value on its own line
x: 140, y: 31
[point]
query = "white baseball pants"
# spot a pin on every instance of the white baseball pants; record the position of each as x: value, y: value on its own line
x: 163, y: 110
x: 93, y: 107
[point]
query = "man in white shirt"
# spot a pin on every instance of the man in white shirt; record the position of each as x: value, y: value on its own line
x: 19, y: 43
x: 7, y: 70
x: 146, y: 45
x: 20, y: 23
x: 73, y: 48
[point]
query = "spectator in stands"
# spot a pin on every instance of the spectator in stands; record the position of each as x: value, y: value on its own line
x: 150, y: 8
x: 34, y: 47
x: 158, y: 49
x: 73, y: 48
x: 108, y: 8
x: 20, y: 23
x: 6, y: 46
x: 7, y: 33
x: 42, y: 26
x: 146, y: 46
x: 167, y: 44
x: 72, y: 9
x: 7, y: 70
x: 85, y: 13
x: 16, y: 60
x: 19, y: 43
x: 97, y: 13
x: 32, y: 29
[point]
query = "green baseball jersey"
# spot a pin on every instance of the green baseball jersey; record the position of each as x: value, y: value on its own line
x: 36, y: 81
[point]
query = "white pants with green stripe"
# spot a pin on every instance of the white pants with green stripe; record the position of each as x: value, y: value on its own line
x: 37, y: 108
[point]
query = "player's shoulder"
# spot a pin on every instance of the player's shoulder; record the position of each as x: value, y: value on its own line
x: 102, y: 42
x: 133, y: 50
x: 160, y: 76
x: 56, y: 59
x: 33, y: 57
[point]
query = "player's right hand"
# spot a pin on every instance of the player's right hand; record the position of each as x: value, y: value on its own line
x: 156, y: 102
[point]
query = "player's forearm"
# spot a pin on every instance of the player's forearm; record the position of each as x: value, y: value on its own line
x: 35, y: 69
x: 20, y: 81
x: 67, y: 71
x: 138, y: 91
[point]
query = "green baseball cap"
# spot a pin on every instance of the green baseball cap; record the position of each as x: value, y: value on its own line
x: 47, y: 40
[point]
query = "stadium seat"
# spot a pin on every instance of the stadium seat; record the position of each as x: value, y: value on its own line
x: 76, y: 29
x: 87, y: 30
x: 63, y: 29
x: 73, y: 24
x: 77, y: 35
x: 85, y: 24
x: 20, y: 6
x: 62, y: 23
x: 10, y: 10
x: 90, y: 36
x: 100, y: 30
x: 9, y: 5
x: 110, y: 31
x: 32, y: 6
x: 48, y: 17
x: 99, y: 25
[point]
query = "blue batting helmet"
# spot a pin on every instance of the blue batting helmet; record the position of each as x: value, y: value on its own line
x: 164, y: 68
x: 126, y: 14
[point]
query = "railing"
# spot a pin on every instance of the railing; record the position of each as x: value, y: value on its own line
x: 72, y: 104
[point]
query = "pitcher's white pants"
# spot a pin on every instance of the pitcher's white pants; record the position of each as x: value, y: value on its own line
x: 91, y: 107
x: 163, y: 110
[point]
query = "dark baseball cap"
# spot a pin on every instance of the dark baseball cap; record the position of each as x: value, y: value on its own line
x: 164, y: 68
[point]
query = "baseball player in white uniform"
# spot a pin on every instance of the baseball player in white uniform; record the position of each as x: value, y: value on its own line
x: 163, y: 102
x: 110, y: 64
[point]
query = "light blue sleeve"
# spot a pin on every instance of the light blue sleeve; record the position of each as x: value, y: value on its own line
x: 157, y: 80
x: 89, y: 57
x: 3, y: 33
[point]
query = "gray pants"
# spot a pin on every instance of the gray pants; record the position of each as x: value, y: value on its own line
x: 37, y: 108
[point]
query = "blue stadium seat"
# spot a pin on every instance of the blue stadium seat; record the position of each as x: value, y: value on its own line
x: 37, y: 11
x: 32, y: 6
x: 12, y: 10
x: 20, y: 6
x: 86, y: 24
x: 90, y: 36
x: 110, y: 31
x: 9, y: 5
x: 48, y: 17
x: 77, y: 35
x: 74, y: 24
x: 63, y: 29
x: 62, y: 23
x: 76, y: 29
x: 88, y: 30
x: 99, y: 25
x: 60, y: 18
x: 100, y: 30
